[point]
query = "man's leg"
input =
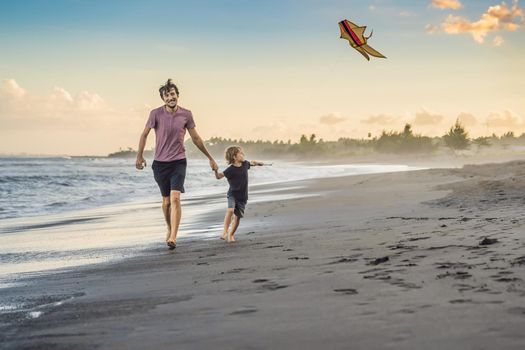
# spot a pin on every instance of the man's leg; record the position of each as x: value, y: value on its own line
x: 236, y: 221
x: 166, y: 211
x: 227, y: 222
x: 175, y: 214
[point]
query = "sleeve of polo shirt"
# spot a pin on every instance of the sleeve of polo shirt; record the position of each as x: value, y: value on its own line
x: 190, y: 123
x: 152, y: 121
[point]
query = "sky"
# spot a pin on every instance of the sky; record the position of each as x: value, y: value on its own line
x: 79, y: 77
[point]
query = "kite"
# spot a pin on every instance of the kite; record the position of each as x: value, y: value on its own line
x: 357, y: 39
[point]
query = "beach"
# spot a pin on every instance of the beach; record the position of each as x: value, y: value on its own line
x: 430, y: 259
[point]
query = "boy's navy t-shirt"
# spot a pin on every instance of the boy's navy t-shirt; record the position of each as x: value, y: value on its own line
x: 238, y: 180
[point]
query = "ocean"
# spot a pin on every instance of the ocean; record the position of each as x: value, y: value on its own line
x: 65, y: 212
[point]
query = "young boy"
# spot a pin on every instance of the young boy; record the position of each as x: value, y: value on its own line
x: 237, y: 175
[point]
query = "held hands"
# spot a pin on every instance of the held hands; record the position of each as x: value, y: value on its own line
x: 140, y: 163
x: 213, y: 165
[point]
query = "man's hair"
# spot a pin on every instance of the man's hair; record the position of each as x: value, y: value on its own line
x: 230, y: 153
x: 167, y: 87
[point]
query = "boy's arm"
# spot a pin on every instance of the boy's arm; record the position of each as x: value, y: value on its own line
x: 256, y: 163
x: 218, y: 175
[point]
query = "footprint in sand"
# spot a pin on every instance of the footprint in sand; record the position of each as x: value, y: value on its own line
x: 346, y: 291
x: 460, y: 301
x: 508, y: 279
x: 459, y: 275
x: 379, y: 261
x: 406, y: 311
x: 244, y: 311
x: 517, y: 310
x: 518, y: 261
x: 402, y: 283
x: 343, y: 260
x: 463, y: 287
x: 270, y: 286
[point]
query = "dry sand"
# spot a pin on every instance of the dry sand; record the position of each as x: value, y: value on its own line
x: 386, y: 261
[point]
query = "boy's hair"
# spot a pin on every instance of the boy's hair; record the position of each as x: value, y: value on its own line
x: 230, y: 153
x: 167, y: 87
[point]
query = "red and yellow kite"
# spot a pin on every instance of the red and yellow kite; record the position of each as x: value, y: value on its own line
x: 357, y: 39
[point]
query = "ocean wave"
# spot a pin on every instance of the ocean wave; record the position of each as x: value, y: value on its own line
x: 65, y: 184
x: 57, y: 204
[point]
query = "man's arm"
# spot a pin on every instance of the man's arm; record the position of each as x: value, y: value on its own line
x: 197, y: 141
x: 256, y: 163
x: 140, y: 163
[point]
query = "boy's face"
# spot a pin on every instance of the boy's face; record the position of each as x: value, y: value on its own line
x: 170, y: 98
x: 239, y: 157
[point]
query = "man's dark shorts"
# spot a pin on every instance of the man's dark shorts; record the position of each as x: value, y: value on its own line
x: 238, y: 206
x: 169, y: 175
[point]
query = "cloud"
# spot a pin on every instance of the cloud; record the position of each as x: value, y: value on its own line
x: 431, y: 29
x: 507, y: 120
x: 331, y: 119
x: 447, y: 4
x: 496, y: 18
x: 426, y: 118
x: 21, y: 108
x: 467, y: 119
x: 407, y: 14
x: 381, y: 119
x: 498, y: 41
x: 11, y: 88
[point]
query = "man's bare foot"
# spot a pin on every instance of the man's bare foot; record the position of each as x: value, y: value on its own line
x: 171, y: 242
x: 231, y: 239
x: 171, y: 245
x: 223, y: 236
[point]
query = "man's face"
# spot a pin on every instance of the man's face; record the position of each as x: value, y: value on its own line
x: 170, y: 98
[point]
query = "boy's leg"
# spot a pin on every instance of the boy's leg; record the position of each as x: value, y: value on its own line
x: 166, y: 211
x: 227, y: 222
x: 238, y: 212
x: 175, y: 215
x: 235, y: 224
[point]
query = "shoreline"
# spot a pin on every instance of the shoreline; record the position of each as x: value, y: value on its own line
x: 95, y: 239
x: 312, y: 272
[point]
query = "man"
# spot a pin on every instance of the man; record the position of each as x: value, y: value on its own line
x: 169, y: 166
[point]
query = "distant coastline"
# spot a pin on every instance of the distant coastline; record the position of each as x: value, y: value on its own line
x: 392, y: 144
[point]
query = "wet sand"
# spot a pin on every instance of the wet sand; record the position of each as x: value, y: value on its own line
x: 430, y: 259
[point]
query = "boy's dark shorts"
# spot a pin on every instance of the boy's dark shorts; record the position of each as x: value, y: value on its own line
x: 238, y: 206
x: 169, y: 175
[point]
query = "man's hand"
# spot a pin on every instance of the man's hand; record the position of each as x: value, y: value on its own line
x: 213, y: 165
x: 140, y: 163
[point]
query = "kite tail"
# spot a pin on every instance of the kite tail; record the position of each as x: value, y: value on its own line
x: 363, y: 52
x: 372, y: 51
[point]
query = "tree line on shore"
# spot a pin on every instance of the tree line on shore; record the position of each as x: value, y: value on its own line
x: 389, y: 142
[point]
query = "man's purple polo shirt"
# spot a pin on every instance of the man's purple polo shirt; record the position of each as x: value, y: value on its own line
x: 170, y: 130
